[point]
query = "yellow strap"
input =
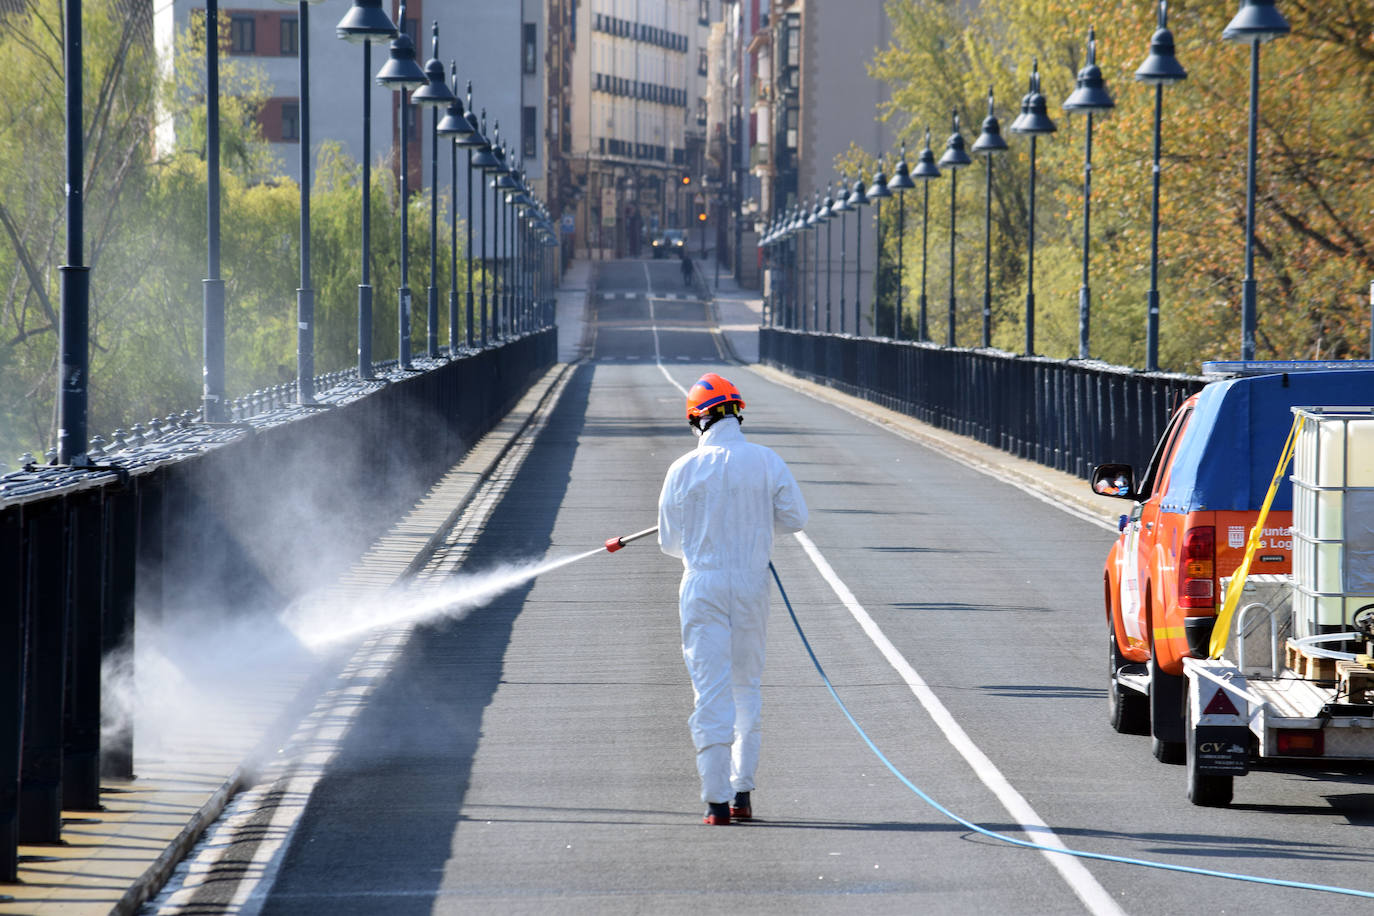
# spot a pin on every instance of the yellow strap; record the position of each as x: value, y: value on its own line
x: 1221, y: 631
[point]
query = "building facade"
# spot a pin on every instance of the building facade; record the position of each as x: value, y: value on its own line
x: 502, y: 48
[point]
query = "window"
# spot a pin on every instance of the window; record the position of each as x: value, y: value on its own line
x: 290, y: 36
x: 531, y: 49
x: 290, y: 122
x: 704, y: 12
x: 703, y: 62
x: 529, y: 131
x: 242, y: 37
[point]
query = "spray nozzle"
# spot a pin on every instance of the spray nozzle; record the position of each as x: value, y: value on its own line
x: 614, y: 544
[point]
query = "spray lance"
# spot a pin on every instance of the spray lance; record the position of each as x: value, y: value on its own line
x: 614, y: 544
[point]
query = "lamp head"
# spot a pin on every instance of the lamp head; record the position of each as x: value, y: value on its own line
x: 901, y: 175
x: 435, y: 93
x: 365, y: 21
x: 1161, y: 67
x: 955, y: 157
x: 1091, y: 92
x: 1034, y: 117
x: 877, y: 190
x: 401, y: 72
x: 858, y: 198
x: 1257, y: 21
x: 990, y: 140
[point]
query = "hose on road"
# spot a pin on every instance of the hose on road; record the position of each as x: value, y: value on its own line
x: 1082, y: 854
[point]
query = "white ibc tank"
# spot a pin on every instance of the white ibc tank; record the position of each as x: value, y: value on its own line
x: 1333, y: 516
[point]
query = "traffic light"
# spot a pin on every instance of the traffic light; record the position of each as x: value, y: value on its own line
x: 686, y: 180
x: 701, y: 217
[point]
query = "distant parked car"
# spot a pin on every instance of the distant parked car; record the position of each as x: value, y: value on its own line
x: 672, y: 241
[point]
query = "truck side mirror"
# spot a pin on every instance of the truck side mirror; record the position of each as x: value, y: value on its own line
x: 1116, y: 480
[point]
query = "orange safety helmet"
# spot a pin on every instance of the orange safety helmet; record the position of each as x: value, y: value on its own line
x: 709, y: 393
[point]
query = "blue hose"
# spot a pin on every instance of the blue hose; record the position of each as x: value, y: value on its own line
x: 1103, y: 857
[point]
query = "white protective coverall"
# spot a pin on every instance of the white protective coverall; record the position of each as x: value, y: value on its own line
x: 718, y: 510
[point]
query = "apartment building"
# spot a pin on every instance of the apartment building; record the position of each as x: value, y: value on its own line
x: 500, y: 47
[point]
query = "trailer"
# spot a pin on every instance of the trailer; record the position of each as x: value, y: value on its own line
x: 1292, y: 673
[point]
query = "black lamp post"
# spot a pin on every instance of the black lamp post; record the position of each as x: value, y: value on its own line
x: 1160, y: 69
x: 813, y: 222
x: 73, y: 385
x: 989, y: 143
x: 485, y: 160
x: 926, y: 170
x: 858, y: 199
x: 506, y: 186
x: 840, y: 207
x: 212, y: 289
x: 1257, y: 21
x: 795, y: 229
x: 305, y: 295
x: 1090, y: 96
x: 473, y: 142
x: 402, y: 74
x: 434, y: 95
x: 455, y: 126
x: 901, y: 183
x: 500, y: 250
x: 954, y: 159
x: 877, y: 192
x: 1034, y: 120
x: 363, y: 24
x: 829, y: 216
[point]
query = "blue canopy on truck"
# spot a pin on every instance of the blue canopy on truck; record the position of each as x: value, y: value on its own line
x: 1235, y: 437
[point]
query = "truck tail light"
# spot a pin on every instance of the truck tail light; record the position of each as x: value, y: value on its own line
x: 1196, y: 568
x: 1301, y: 742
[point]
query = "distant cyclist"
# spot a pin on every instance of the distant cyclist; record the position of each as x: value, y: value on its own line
x: 686, y: 269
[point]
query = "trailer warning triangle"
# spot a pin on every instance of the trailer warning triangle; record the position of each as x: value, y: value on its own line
x: 1220, y: 705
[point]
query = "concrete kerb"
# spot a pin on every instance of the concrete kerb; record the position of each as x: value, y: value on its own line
x: 456, y: 491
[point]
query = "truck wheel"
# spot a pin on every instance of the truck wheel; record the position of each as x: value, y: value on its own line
x: 1166, y: 714
x: 1128, y: 711
x: 1207, y: 790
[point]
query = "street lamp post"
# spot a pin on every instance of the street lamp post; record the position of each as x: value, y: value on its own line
x: 926, y: 170
x: 1257, y: 21
x: 901, y: 183
x: 434, y: 95
x: 828, y: 214
x: 1034, y: 120
x: 305, y: 295
x: 73, y: 385
x: 455, y: 125
x: 1161, y: 68
x: 840, y: 208
x: 1090, y: 96
x: 485, y: 160
x: 858, y: 199
x: 363, y: 24
x: 954, y: 159
x: 472, y: 141
x: 989, y: 143
x: 877, y: 192
x: 813, y: 222
x: 212, y: 289
x: 402, y: 74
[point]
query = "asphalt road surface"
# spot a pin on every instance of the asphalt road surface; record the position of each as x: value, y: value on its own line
x: 533, y: 757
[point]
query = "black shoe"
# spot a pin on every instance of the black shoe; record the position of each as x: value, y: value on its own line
x: 717, y: 814
x: 740, y: 808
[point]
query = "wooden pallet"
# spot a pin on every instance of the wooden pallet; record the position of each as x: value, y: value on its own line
x: 1308, y: 666
x: 1355, y: 680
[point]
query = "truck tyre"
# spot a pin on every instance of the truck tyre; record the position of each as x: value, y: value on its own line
x: 1128, y: 711
x: 1166, y: 714
x: 1207, y: 790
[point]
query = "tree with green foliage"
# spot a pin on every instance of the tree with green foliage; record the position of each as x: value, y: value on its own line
x: 1315, y: 226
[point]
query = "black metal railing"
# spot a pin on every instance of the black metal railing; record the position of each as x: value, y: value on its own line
x: 188, y: 511
x: 1068, y: 414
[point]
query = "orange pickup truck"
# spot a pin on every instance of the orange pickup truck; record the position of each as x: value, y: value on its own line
x: 1191, y: 515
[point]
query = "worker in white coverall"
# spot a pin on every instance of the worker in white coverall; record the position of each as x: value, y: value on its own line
x: 721, y: 503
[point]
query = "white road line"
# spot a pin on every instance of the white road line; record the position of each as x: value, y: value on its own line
x: 1079, y: 879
